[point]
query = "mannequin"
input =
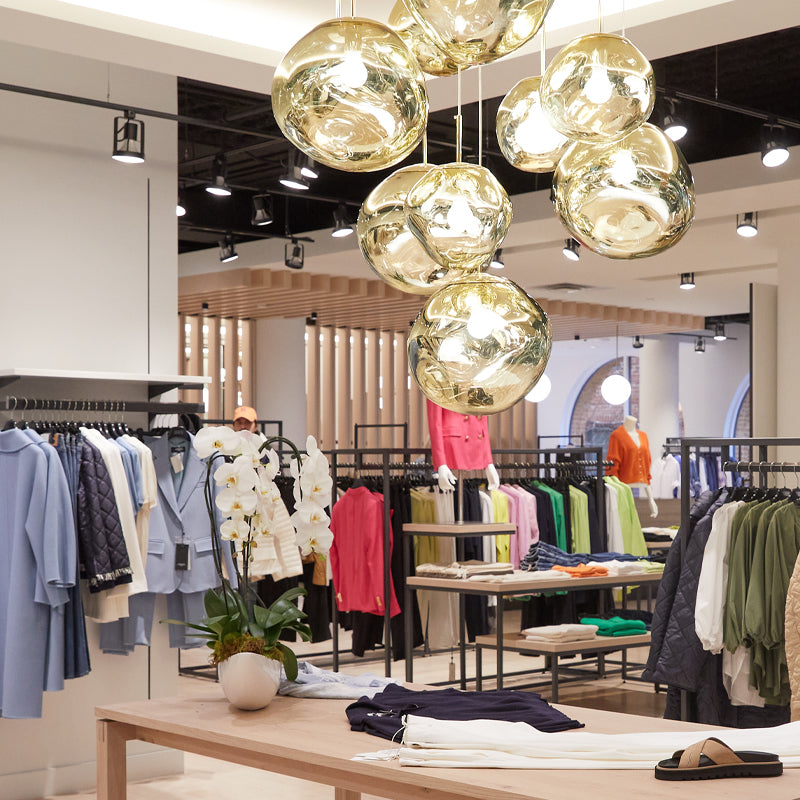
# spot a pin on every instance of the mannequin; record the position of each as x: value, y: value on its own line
x: 459, y: 441
x: 629, y: 449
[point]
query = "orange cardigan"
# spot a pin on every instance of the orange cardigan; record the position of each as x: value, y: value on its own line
x: 631, y: 463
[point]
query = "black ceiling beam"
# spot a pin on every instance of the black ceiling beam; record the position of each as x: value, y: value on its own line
x: 244, y: 234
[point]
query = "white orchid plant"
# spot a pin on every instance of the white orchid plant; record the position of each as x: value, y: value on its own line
x: 238, y: 620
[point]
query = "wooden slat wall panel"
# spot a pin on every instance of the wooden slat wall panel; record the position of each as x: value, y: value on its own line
x: 344, y: 404
x: 214, y: 409
x: 401, y: 410
x: 371, y: 340
x: 531, y: 424
x: 416, y: 411
x: 387, y: 388
x: 194, y: 362
x: 246, y: 349
x: 328, y: 383
x: 231, y: 362
x: 312, y: 382
x: 359, y: 365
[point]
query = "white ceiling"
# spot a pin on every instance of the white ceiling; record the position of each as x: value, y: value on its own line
x: 238, y: 43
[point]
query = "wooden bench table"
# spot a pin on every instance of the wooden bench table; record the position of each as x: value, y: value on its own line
x: 311, y: 740
x: 553, y: 650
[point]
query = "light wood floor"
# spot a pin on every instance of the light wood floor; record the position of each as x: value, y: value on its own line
x: 209, y: 779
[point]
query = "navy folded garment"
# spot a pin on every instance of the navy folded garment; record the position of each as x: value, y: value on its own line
x: 383, y: 714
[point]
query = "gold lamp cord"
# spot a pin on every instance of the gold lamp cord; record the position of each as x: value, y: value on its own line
x: 459, y: 122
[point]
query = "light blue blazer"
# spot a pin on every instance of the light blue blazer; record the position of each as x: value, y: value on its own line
x: 182, y: 517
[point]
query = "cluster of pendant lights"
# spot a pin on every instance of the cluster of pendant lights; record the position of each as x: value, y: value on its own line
x: 351, y: 95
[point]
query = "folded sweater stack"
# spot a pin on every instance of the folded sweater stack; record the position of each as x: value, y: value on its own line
x: 560, y: 633
x: 583, y: 570
x: 464, y: 569
x: 616, y: 626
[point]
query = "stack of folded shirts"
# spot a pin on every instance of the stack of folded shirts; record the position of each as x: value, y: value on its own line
x: 560, y: 633
x: 620, y: 567
x: 520, y: 575
x: 616, y: 626
x: 543, y: 556
x: 652, y: 566
x: 583, y: 570
x: 463, y: 569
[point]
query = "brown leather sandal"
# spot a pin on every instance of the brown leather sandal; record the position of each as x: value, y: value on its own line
x: 712, y: 758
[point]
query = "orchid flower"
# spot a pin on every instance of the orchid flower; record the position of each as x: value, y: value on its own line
x: 239, y: 475
x: 219, y: 438
x: 230, y: 502
x: 236, y: 528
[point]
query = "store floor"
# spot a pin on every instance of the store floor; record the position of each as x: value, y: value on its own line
x: 209, y: 779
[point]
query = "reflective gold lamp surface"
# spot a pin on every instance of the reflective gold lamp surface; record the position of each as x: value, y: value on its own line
x: 527, y: 139
x: 479, y: 345
x: 351, y: 95
x: 460, y: 213
x: 432, y: 59
x: 475, y: 32
x: 627, y: 199
x: 600, y: 87
x: 388, y: 245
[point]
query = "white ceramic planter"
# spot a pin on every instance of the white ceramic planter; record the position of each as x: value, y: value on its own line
x: 249, y: 680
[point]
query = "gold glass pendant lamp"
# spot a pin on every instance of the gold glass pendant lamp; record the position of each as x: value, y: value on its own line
x: 474, y: 32
x: 431, y: 58
x: 351, y: 95
x: 526, y: 138
x: 479, y: 345
x: 627, y: 199
x: 599, y: 88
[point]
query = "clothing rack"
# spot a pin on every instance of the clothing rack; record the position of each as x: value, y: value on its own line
x: 360, y: 426
x: 16, y: 404
x: 568, y: 437
x: 762, y: 469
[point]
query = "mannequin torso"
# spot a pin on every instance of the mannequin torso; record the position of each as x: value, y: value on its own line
x: 632, y: 465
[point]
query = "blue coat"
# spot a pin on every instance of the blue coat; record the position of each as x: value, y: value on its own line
x: 181, y: 516
x: 37, y: 566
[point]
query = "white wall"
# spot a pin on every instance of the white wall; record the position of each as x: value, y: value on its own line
x: 280, y: 375
x: 658, y: 390
x: 708, y: 382
x: 78, y: 233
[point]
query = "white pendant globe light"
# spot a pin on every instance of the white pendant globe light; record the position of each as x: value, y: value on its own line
x: 541, y: 391
x: 616, y: 389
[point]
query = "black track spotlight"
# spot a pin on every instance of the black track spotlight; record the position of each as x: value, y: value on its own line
x: 674, y: 126
x: 773, y: 145
x: 262, y: 210
x: 227, y: 251
x: 572, y: 249
x: 341, y: 227
x: 294, y: 257
x: 747, y: 224
x: 497, y: 260
x: 638, y: 343
x: 719, y: 332
x: 687, y: 280
x: 309, y: 168
x: 219, y: 178
x: 294, y: 178
x: 700, y: 345
x: 128, y: 139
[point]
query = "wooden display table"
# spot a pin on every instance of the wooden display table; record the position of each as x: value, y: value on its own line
x: 553, y: 650
x: 311, y: 740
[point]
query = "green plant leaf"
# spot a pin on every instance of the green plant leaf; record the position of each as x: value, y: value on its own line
x: 203, y: 628
x: 291, y: 594
x: 214, y: 603
x: 256, y: 630
x: 260, y: 613
x: 289, y: 661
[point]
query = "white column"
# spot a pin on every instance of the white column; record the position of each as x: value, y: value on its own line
x: 764, y: 359
x: 658, y: 390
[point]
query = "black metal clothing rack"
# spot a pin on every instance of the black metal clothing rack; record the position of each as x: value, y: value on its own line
x: 15, y: 404
x: 763, y: 467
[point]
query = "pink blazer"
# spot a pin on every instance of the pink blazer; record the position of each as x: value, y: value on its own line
x: 459, y: 440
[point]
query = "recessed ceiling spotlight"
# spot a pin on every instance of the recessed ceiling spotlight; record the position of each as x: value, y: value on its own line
x: 719, y: 332
x: 747, y: 224
x: 219, y: 183
x: 773, y: 145
x: 128, y: 139
x: 497, y: 260
x: 572, y: 249
x: 687, y: 280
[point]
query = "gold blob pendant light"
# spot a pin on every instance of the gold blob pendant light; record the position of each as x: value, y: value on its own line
x: 479, y: 345
x: 527, y: 139
x: 460, y: 213
x: 432, y: 60
x: 475, y: 32
x: 627, y: 199
x: 599, y: 88
x: 388, y: 245
x: 351, y: 95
